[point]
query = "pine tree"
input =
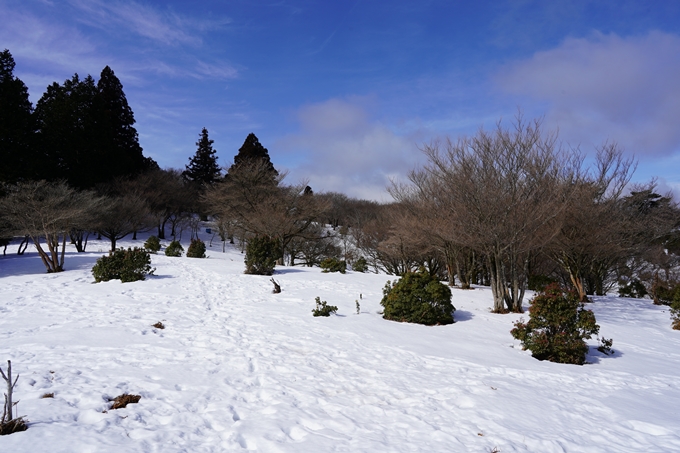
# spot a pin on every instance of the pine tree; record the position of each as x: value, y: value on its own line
x: 17, y: 125
x: 253, y: 152
x: 203, y: 169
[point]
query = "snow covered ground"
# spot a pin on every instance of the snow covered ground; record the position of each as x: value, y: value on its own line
x: 238, y: 368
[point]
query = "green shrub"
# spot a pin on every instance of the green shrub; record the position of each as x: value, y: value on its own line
x: 261, y: 255
x: 675, y: 311
x: 174, y: 249
x: 360, y: 265
x: 539, y: 282
x: 558, y: 325
x: 125, y: 265
x: 333, y: 265
x: 633, y: 288
x: 664, y: 292
x: 323, y: 309
x: 196, y: 249
x: 153, y: 244
x: 418, y: 297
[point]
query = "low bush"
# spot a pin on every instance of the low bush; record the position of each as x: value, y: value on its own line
x: 261, y: 255
x: 675, y: 312
x: 153, y: 244
x: 633, y: 288
x: 128, y: 265
x: 196, y: 249
x: 360, y: 265
x: 419, y: 298
x: 333, y: 265
x: 323, y: 309
x: 174, y: 249
x: 558, y: 325
x: 539, y: 282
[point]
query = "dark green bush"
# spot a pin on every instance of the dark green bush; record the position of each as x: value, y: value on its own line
x: 360, y: 265
x: 153, y: 244
x: 261, y: 255
x: 633, y: 288
x: 418, y: 297
x: 539, y: 282
x: 125, y: 265
x: 675, y: 311
x: 333, y: 265
x: 196, y: 249
x: 558, y: 325
x: 664, y: 292
x: 323, y: 309
x: 174, y: 249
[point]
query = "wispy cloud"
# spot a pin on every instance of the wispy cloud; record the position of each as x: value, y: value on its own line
x: 144, y: 20
x: 606, y: 86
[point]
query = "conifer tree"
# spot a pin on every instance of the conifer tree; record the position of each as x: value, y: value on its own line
x: 203, y: 169
x: 121, y: 151
x: 16, y: 123
x: 252, y: 152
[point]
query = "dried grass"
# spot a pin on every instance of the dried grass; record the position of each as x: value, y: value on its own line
x: 123, y: 400
x: 14, y: 426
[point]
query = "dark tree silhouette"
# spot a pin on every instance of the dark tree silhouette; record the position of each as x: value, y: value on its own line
x: 203, y: 169
x: 86, y: 134
x: 252, y: 152
x: 16, y: 124
x: 120, y: 142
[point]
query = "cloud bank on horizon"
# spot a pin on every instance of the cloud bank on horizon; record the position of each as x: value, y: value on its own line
x: 343, y: 94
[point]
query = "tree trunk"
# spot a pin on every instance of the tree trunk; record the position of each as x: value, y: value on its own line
x: 497, y: 283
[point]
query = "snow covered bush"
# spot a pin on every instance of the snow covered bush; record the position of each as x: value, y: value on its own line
x: 196, y: 249
x: 360, y: 265
x: 261, y: 255
x: 323, y: 309
x: 418, y: 297
x: 153, y: 244
x: 333, y: 265
x: 174, y: 249
x: 128, y: 265
x: 558, y: 325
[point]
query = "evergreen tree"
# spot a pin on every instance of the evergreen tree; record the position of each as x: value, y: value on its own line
x: 203, y: 169
x: 16, y: 123
x: 121, y: 152
x: 69, y: 133
x: 86, y: 134
x: 252, y: 152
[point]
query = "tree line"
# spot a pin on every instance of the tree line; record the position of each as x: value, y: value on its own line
x: 510, y: 207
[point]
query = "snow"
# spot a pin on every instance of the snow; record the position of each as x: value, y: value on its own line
x: 238, y: 368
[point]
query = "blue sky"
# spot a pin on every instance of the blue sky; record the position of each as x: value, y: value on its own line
x: 342, y: 93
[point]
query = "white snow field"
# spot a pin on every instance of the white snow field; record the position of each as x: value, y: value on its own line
x: 238, y: 368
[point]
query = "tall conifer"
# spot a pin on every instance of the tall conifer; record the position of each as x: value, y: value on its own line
x: 203, y: 168
x: 16, y: 124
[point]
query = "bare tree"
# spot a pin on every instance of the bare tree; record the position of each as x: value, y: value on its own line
x: 505, y: 192
x: 48, y: 211
x: 255, y: 201
x: 595, y: 233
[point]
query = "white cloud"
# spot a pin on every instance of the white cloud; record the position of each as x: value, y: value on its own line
x: 607, y: 87
x: 346, y: 151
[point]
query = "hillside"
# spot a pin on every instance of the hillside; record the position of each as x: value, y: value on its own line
x: 238, y: 368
